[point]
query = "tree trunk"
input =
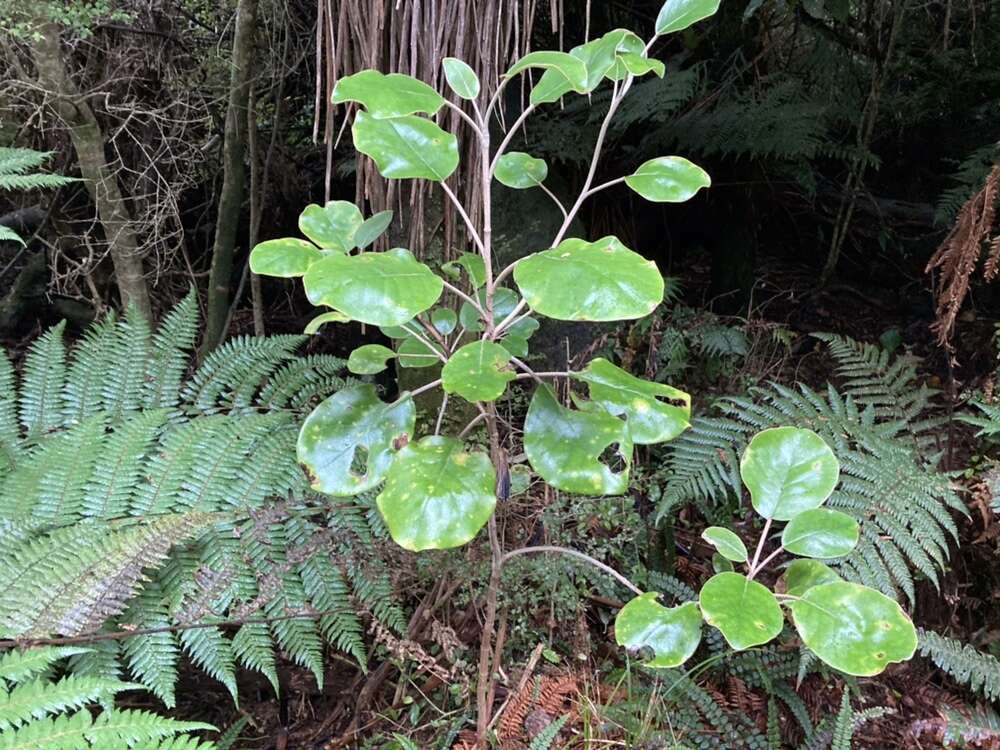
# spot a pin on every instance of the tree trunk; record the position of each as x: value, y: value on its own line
x: 88, y: 140
x: 233, y: 178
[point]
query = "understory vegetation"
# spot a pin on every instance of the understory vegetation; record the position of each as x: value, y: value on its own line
x: 499, y: 375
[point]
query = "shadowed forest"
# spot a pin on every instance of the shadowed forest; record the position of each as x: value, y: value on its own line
x: 514, y: 374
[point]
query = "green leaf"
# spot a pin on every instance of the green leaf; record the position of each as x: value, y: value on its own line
x: 632, y: 45
x: 744, y: 611
x: 406, y: 147
x: 571, y: 68
x: 598, y: 281
x: 372, y: 228
x: 437, y: 495
x: 386, y: 96
x: 729, y: 545
x: 650, y: 419
x: 478, y: 371
x: 285, y: 258
x: 461, y: 78
x: 668, y: 179
x: 332, y: 226
x: 565, y: 447
x: 820, y: 532
x: 600, y: 58
x: 721, y: 564
x: 384, y: 289
x: 348, y: 442
x: 673, y: 634
x: 802, y: 575
x: 415, y: 353
x: 639, y: 65
x: 853, y: 628
x: 444, y: 320
x: 369, y: 359
x: 334, y: 316
x: 474, y: 266
x: 788, y: 470
x: 677, y: 15
x: 504, y: 302
x: 519, y: 170
x: 515, y: 338
x: 9, y: 235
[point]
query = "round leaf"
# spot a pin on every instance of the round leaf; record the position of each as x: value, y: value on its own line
x: 347, y: 443
x: 415, y: 353
x: 802, y: 575
x: 853, y: 628
x: 820, y: 533
x: 677, y: 15
x: 565, y: 447
x: 474, y: 266
x: 285, y: 258
x: 406, y: 147
x: 383, y: 96
x: 369, y: 359
x: 478, y: 371
x: 744, y: 611
x: 437, y: 495
x: 332, y: 226
x: 461, y: 78
x: 334, y: 316
x: 596, y: 281
x: 384, y: 289
x: 729, y: 545
x: 519, y: 170
x: 788, y: 470
x: 504, y: 302
x: 668, y: 179
x: 444, y: 320
x: 372, y: 228
x: 650, y: 419
x: 672, y: 633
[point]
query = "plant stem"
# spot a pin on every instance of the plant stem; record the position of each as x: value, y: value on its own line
x: 579, y: 555
x: 476, y: 420
x: 462, y: 295
x: 760, y: 546
x: 422, y: 389
x: 766, y: 560
x: 472, y: 123
x: 509, y: 136
x: 506, y: 321
x: 465, y: 216
x: 444, y: 405
x: 419, y: 337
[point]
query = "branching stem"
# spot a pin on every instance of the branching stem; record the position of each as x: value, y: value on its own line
x: 580, y: 556
x: 760, y: 547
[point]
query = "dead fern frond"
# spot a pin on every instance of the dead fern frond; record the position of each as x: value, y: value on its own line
x: 958, y: 255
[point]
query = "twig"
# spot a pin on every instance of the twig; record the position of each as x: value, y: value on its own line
x: 579, y: 555
x: 760, y: 547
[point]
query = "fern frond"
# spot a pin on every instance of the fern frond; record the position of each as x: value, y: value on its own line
x: 42, y: 382
x: 171, y: 346
x: 17, y: 666
x: 843, y: 727
x: 211, y: 651
x: 988, y: 420
x: 9, y: 235
x: 979, y: 671
x: 37, y: 698
x: 152, y: 657
x: 544, y: 739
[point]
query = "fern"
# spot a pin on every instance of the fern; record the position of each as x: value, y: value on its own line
x: 37, y: 711
x: 131, y: 500
x: 987, y: 420
x: 16, y: 165
x: 901, y: 501
x: 843, y: 726
x: 978, y: 671
x: 544, y: 739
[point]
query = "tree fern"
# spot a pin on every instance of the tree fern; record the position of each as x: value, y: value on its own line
x: 38, y: 711
x: 979, y: 671
x: 903, y: 504
x: 16, y: 173
x: 131, y: 500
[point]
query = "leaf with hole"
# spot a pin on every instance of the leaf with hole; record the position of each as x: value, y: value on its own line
x: 596, y: 281
x: 474, y: 266
x: 802, y: 575
x: 656, y: 412
x: 284, y: 258
x: 478, y: 371
x: 672, y: 633
x: 744, y: 611
x: 461, y: 78
x: 372, y: 228
x: 334, y: 316
x: 668, y: 179
x: 677, y: 15
x: 348, y: 442
x: 387, y: 96
x: 853, y: 628
x: 572, y: 450
x: 332, y: 226
x: 369, y: 359
x: 383, y: 289
x: 437, y: 495
x: 519, y: 170
x: 406, y: 147
x: 820, y: 532
x: 726, y: 542
x: 788, y: 470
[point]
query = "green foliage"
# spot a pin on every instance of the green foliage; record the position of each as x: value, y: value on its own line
x: 979, y: 671
x: 876, y: 428
x: 544, y: 740
x: 39, y: 711
x: 17, y: 167
x: 134, y: 497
